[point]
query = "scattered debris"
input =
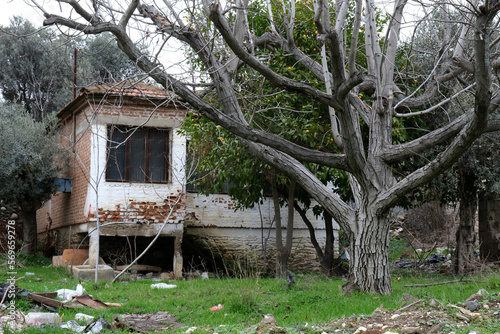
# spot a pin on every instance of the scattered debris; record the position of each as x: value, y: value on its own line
x: 472, y: 305
x: 84, y: 318
x: 40, y: 318
x: 73, y: 326
x: 90, y: 301
x: 217, y: 308
x: 163, y: 286
x: 98, y: 326
x: 10, y: 290
x: 13, y: 322
x: 67, y: 294
x: 267, y: 325
x: 423, y: 316
x: 46, y: 299
x: 140, y: 268
x: 146, y: 322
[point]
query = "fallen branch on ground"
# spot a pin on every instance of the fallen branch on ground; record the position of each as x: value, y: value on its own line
x: 441, y: 283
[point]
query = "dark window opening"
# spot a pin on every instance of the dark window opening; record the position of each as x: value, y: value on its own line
x: 138, y: 154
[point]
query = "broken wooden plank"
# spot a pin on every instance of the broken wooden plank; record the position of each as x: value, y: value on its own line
x: 90, y: 301
x: 48, y: 301
x: 114, y: 304
x: 45, y: 294
x: 140, y: 267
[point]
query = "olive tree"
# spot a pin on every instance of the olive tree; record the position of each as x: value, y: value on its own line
x: 359, y: 92
x: 38, y: 65
x: 28, y: 165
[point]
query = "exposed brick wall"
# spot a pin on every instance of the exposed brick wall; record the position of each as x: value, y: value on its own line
x: 171, y: 210
x: 67, y: 208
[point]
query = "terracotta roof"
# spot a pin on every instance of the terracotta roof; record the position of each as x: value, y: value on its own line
x: 128, y: 88
x: 132, y: 89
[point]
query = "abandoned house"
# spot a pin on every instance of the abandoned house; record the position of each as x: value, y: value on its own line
x: 126, y: 170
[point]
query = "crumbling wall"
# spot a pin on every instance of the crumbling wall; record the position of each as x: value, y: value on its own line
x: 246, y: 236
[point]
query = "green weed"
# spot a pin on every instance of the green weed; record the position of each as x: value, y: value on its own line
x: 314, y: 299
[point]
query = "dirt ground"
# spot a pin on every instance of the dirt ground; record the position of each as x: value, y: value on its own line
x: 418, y: 316
x: 423, y: 316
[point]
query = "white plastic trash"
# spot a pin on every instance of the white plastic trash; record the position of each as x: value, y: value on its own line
x: 73, y: 326
x: 84, y: 318
x: 38, y: 318
x: 80, y: 289
x: 163, y: 286
x: 68, y: 294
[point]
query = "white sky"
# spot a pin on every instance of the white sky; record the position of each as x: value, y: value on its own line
x: 9, y: 8
x: 24, y: 8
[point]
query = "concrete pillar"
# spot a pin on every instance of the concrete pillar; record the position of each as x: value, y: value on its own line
x: 93, y: 248
x: 178, y: 256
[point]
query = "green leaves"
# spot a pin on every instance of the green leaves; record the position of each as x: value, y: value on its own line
x: 37, y: 66
x: 27, y: 156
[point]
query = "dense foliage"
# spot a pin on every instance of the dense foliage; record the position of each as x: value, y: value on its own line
x: 38, y: 65
x: 28, y: 164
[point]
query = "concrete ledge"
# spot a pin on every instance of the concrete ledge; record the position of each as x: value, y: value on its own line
x: 86, y: 273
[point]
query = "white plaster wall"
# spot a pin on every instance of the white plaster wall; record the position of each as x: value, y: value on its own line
x: 218, y: 209
x: 107, y: 195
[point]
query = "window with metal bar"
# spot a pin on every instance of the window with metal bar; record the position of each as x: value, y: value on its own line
x: 138, y: 154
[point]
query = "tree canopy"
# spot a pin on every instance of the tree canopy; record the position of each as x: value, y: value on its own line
x: 38, y: 65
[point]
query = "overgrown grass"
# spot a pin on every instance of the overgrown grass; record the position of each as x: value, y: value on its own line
x: 313, y: 300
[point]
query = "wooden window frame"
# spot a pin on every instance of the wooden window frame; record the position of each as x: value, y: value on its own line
x: 130, y: 130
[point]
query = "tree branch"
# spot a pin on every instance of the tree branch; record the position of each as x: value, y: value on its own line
x: 128, y: 13
x: 275, y: 79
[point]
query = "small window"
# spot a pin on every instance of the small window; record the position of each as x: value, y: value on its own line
x: 138, y: 154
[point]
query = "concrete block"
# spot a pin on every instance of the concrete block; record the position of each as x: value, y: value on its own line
x: 57, y: 261
x: 79, y: 258
x: 86, y: 273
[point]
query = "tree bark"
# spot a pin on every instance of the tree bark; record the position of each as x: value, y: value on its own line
x: 463, y: 257
x: 369, y: 255
x: 29, y: 229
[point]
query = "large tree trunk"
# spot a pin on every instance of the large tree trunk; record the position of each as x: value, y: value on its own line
x: 29, y: 229
x: 369, y: 255
x: 463, y: 257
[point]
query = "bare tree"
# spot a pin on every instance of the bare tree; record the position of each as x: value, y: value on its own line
x: 368, y: 158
